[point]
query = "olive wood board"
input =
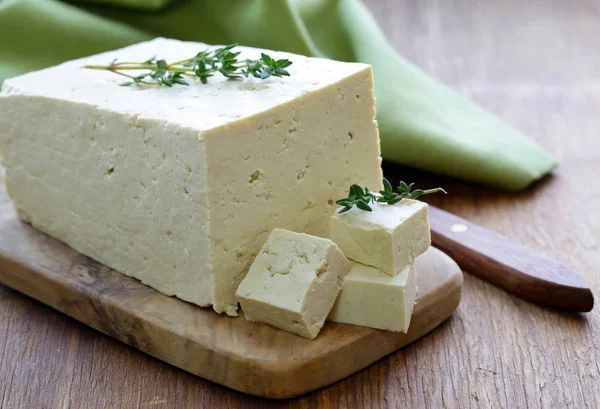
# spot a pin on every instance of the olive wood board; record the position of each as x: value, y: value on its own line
x: 249, y: 357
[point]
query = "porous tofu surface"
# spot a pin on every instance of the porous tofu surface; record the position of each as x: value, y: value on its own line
x: 293, y: 282
x: 388, y: 238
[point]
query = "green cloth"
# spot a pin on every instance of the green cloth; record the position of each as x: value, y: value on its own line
x: 134, y: 4
x: 423, y: 123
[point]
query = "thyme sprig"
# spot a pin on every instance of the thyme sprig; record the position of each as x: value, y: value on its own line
x: 361, y: 198
x: 203, y: 65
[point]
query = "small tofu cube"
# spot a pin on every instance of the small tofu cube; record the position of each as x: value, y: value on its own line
x: 293, y: 282
x: 388, y: 238
x: 374, y: 299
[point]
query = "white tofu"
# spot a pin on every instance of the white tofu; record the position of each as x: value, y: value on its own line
x: 293, y: 282
x: 371, y: 298
x: 180, y: 187
x: 388, y: 238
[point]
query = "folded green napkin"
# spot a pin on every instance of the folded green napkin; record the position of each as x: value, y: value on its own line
x: 423, y: 123
x: 134, y: 4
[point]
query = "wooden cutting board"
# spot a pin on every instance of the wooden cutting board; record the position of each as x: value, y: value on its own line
x: 249, y: 357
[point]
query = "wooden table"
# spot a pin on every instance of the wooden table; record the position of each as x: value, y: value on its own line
x: 537, y: 65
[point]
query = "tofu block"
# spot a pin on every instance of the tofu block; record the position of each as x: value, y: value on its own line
x: 179, y: 187
x: 293, y: 282
x: 371, y: 298
x: 388, y: 238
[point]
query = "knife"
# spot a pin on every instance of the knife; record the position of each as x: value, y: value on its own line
x: 509, y: 265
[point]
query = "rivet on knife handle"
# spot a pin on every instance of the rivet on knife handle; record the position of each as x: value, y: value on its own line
x: 509, y: 265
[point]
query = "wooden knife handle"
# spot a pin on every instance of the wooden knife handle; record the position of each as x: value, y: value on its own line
x: 509, y: 265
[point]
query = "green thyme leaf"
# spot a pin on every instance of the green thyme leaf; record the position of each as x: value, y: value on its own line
x: 362, y: 205
x: 356, y: 192
x: 403, y: 188
x: 387, y: 186
x: 415, y: 194
x: 345, y: 209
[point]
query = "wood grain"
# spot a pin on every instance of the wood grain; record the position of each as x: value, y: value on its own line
x: 534, y: 64
x: 508, y: 264
x: 250, y: 357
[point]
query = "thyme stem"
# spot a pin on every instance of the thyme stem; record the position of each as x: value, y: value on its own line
x: 203, y: 65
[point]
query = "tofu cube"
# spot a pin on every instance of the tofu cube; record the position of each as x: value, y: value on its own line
x: 179, y: 187
x: 388, y: 238
x: 293, y: 282
x: 371, y: 298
